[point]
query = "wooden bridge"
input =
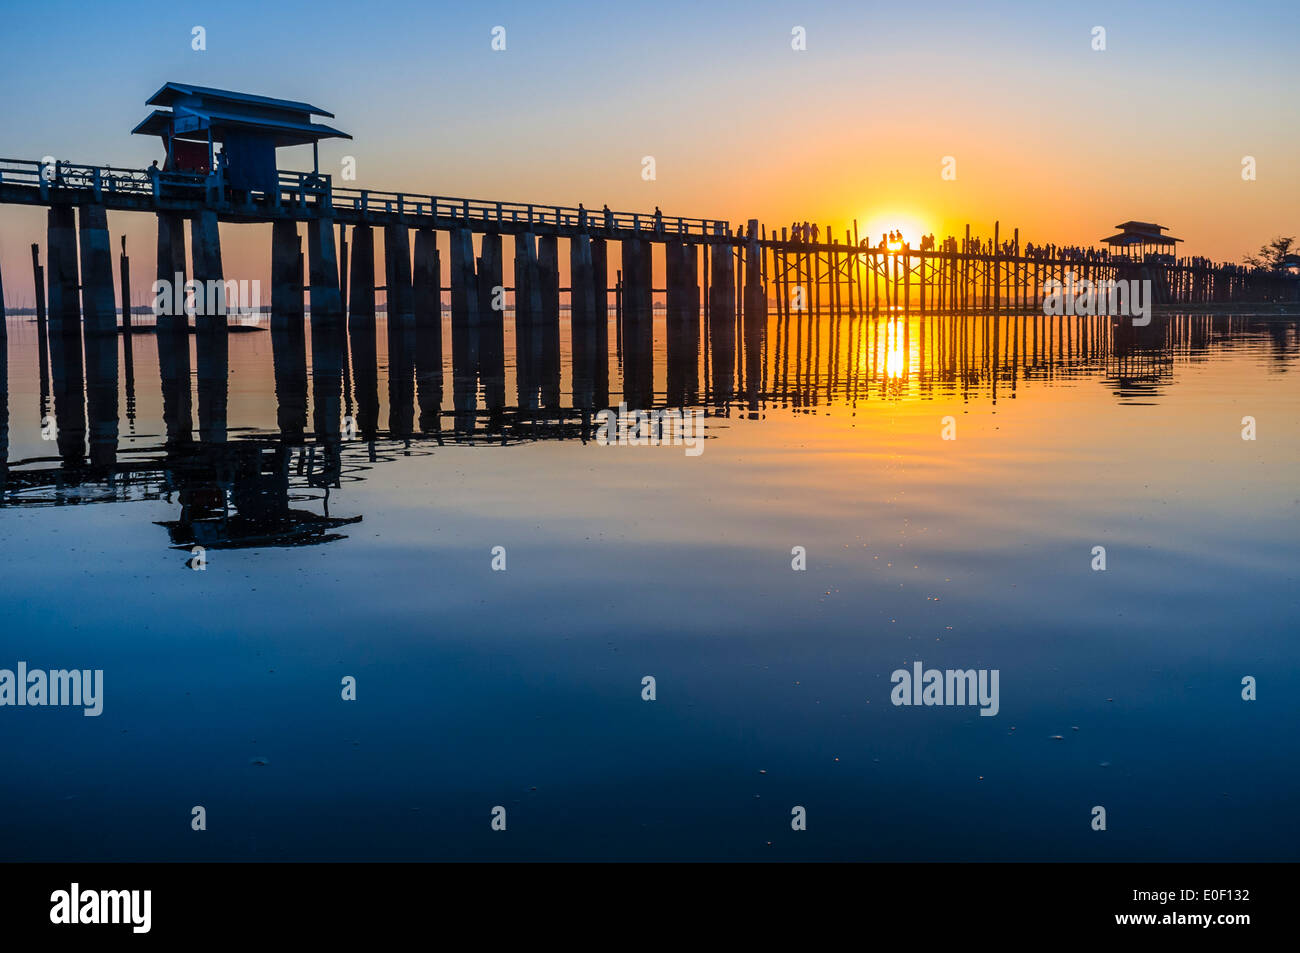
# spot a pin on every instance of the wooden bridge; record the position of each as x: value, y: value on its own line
x: 306, y: 195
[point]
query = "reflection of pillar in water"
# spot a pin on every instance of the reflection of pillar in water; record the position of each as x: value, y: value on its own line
x: 101, y: 398
x: 69, y: 395
x: 213, y: 369
x: 327, y: 343
x: 174, y: 371
x: 289, y: 356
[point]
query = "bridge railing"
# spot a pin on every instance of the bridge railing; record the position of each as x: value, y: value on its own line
x: 477, y: 210
x: 102, y: 180
x: 302, y: 189
x: 312, y: 188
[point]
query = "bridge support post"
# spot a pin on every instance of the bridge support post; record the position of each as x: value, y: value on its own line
x: 426, y: 282
x: 677, y: 323
x: 401, y: 329
x: 4, y: 390
x: 173, y: 336
x: 61, y: 236
x: 171, y: 269
x: 722, y: 320
x: 397, y: 276
x: 323, y: 267
x: 212, y: 345
x: 582, y: 320
x: 528, y: 308
x: 286, y: 288
x: 638, y: 323
x: 464, y: 320
x: 361, y: 284
x: 548, y: 271
x: 756, y: 310
x: 98, y: 305
x: 361, y: 329
x: 600, y: 288
x: 491, y: 309
x: 205, y: 247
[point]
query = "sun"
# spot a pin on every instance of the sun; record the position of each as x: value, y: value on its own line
x: 880, y: 224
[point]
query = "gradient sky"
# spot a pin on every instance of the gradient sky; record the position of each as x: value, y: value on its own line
x: 1048, y: 135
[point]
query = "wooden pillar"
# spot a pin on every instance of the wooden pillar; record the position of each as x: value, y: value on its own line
x: 464, y: 319
x: 599, y: 284
x: 361, y: 285
x: 64, y: 280
x: 361, y: 330
x: 205, y: 247
x: 548, y: 272
x: 171, y: 269
x: 677, y: 320
x: 287, y: 305
x: 755, y: 312
x: 426, y: 285
x: 326, y: 300
x: 172, y: 333
x: 722, y: 305
x: 491, y: 311
x: 582, y: 321
x: 98, y: 304
x: 638, y: 317
x: 528, y: 307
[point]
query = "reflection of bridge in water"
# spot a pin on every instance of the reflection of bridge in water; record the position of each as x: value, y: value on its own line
x: 252, y: 489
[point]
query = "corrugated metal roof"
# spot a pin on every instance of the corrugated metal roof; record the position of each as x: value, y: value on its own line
x: 1141, y: 238
x: 171, y: 91
x: 1141, y: 226
x: 287, y: 132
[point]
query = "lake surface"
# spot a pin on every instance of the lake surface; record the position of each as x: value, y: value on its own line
x: 523, y: 689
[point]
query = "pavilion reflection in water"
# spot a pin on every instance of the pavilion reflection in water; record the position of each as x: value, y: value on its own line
x: 253, y: 489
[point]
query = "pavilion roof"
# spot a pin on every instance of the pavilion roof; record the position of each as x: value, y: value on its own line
x: 196, y: 110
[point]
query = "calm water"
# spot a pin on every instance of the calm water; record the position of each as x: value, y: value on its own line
x: 371, y: 557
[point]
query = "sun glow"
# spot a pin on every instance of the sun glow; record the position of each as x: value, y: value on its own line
x: 878, y: 226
